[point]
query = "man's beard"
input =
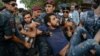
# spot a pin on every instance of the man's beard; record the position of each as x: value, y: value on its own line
x: 56, y: 26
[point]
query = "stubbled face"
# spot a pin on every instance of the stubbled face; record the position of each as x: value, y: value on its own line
x: 54, y: 21
x: 27, y: 18
x: 12, y: 6
x: 65, y: 13
x: 49, y: 8
x: 37, y: 13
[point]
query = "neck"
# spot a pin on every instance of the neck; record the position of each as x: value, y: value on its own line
x: 51, y: 27
x: 50, y: 12
x: 66, y: 17
x: 72, y: 10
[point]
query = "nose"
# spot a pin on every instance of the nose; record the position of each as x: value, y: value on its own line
x: 15, y: 6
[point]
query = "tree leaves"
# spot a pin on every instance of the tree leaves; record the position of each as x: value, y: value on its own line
x: 30, y: 3
x: 1, y: 4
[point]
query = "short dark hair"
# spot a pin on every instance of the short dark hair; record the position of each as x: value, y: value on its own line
x: 26, y: 12
x: 95, y: 6
x: 21, y: 10
x: 47, y: 18
x: 97, y: 2
x: 7, y: 1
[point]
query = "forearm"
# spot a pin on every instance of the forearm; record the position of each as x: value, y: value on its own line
x: 17, y: 40
x: 30, y: 34
x: 7, y: 37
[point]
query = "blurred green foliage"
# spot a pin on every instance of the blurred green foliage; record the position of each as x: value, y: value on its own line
x: 1, y: 4
x: 30, y: 3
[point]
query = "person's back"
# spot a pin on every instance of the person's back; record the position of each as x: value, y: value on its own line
x: 91, y: 22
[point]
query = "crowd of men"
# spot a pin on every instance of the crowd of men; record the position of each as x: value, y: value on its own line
x: 70, y: 32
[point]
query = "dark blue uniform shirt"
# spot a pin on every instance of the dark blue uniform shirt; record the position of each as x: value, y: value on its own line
x: 5, y: 28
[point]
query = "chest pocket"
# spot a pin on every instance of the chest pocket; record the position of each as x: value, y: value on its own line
x: 90, y: 23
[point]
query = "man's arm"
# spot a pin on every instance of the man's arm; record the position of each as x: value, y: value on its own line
x: 18, y: 40
x: 30, y: 34
x: 8, y: 34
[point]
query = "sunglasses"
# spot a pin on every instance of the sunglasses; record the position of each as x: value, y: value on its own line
x: 13, y: 4
x: 65, y: 11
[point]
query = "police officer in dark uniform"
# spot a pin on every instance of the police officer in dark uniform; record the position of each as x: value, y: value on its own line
x: 91, y: 22
x: 91, y: 25
x: 67, y: 23
x: 5, y: 30
x: 8, y: 31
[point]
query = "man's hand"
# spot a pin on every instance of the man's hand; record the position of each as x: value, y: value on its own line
x: 27, y: 45
x: 69, y: 24
x: 34, y: 24
x: 93, y: 52
x: 37, y: 23
x: 7, y: 37
x: 84, y: 35
x: 22, y: 31
x: 69, y: 33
